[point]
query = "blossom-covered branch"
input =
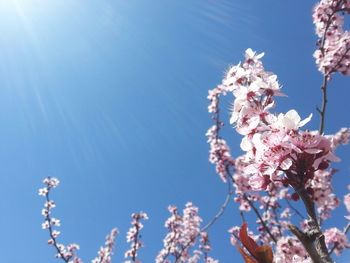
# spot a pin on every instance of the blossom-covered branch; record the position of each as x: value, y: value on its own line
x: 105, y: 253
x: 133, y: 236
x: 183, y: 233
x: 278, y: 154
x: 68, y: 253
x: 333, y: 52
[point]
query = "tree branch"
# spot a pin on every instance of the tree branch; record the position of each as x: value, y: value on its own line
x: 313, y: 238
x: 307, y: 243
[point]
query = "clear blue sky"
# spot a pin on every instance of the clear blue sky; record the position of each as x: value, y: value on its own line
x: 110, y: 97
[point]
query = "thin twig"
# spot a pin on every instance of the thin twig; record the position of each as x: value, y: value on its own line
x: 211, y: 222
x: 230, y: 191
x: 260, y: 218
x: 221, y: 209
x: 326, y: 76
x: 295, y: 210
x: 322, y: 111
x: 218, y: 124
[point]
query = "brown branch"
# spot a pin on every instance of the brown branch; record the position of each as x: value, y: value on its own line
x: 308, y: 203
x: 307, y: 243
x: 313, y: 239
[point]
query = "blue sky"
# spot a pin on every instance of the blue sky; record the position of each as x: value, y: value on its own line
x: 110, y: 97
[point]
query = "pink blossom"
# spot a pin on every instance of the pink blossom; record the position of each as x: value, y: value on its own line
x: 333, y: 54
x: 289, y: 249
x: 183, y: 232
x: 340, y: 138
x: 335, y: 237
x: 219, y: 152
x: 322, y: 192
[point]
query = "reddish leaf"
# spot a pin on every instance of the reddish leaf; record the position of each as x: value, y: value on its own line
x: 258, y: 254
x: 247, y: 241
x: 246, y: 257
x: 264, y: 254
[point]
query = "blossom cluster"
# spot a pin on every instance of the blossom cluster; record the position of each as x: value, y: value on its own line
x: 336, y: 240
x: 289, y: 249
x: 183, y: 232
x: 333, y: 53
x: 277, y: 151
x: 322, y: 192
x: 219, y: 153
